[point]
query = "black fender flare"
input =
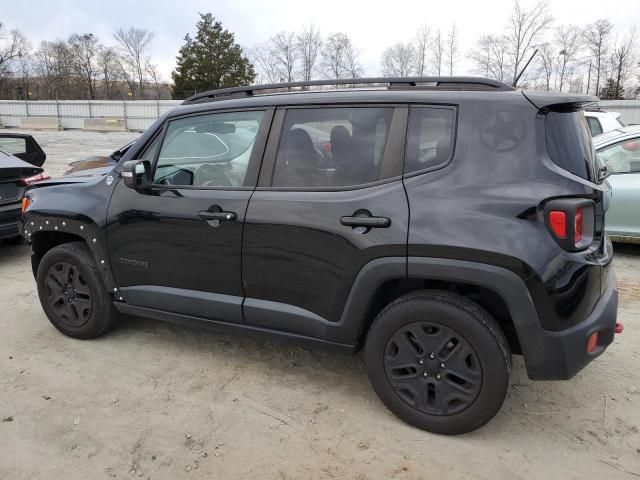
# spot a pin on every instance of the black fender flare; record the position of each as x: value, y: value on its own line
x: 36, y: 223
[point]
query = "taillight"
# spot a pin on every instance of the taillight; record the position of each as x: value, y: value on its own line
x: 35, y: 178
x: 571, y: 222
x: 577, y: 226
x: 558, y: 223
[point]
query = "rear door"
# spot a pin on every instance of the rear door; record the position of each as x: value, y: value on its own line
x: 330, y: 199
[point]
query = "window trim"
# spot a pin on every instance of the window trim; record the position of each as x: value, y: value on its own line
x: 251, y: 177
x: 392, y: 158
x: 454, y: 140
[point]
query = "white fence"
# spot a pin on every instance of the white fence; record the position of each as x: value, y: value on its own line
x: 137, y: 115
x: 630, y: 109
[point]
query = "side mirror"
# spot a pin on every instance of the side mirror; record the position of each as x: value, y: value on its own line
x: 136, y: 174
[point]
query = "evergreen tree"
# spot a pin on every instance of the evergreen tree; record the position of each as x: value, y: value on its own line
x: 610, y: 91
x: 209, y: 61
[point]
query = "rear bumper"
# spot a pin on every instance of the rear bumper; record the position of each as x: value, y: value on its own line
x: 9, y: 220
x: 560, y: 355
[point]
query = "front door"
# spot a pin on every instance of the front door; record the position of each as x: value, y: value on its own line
x: 176, y: 246
x: 330, y: 199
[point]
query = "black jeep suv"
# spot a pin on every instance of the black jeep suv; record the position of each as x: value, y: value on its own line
x: 441, y: 224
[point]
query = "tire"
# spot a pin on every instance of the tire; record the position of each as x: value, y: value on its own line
x: 72, y: 292
x: 438, y: 361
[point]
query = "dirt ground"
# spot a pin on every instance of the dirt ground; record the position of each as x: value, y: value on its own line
x: 157, y: 401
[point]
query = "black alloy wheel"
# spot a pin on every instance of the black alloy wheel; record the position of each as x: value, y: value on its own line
x: 433, y: 368
x: 69, y: 294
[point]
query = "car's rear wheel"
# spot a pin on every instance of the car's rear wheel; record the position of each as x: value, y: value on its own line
x: 72, y: 292
x: 438, y: 361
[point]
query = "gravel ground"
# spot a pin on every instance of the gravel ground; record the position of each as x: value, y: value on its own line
x: 157, y: 401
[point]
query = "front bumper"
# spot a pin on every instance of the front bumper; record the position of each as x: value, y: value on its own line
x: 564, y: 353
x: 9, y: 220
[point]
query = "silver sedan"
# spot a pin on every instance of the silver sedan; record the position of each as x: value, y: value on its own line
x: 619, y: 150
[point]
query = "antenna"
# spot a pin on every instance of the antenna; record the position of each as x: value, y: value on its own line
x: 515, y: 82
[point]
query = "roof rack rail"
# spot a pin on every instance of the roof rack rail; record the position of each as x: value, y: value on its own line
x: 392, y: 83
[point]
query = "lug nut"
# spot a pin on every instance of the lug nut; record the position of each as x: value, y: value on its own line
x: 424, y: 374
x: 438, y: 376
x: 442, y: 365
x: 421, y: 362
x: 432, y: 356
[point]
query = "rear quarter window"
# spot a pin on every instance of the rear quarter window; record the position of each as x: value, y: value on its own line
x: 569, y: 143
x: 430, y: 138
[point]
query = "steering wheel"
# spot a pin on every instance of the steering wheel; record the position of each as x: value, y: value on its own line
x: 208, y: 175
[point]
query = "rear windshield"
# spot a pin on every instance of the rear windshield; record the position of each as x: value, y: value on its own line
x: 569, y: 143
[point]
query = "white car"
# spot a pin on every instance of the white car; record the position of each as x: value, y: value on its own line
x: 601, y: 122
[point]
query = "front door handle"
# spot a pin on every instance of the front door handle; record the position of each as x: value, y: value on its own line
x: 220, y: 216
x: 367, y: 222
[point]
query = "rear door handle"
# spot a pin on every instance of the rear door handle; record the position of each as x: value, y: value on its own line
x: 221, y: 216
x: 368, y: 222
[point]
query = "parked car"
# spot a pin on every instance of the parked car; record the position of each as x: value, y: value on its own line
x: 464, y: 224
x: 600, y: 121
x: 97, y: 161
x: 21, y: 160
x: 619, y: 150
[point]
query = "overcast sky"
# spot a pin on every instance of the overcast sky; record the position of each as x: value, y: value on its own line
x: 373, y: 25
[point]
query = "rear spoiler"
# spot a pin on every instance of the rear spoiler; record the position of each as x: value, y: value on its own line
x: 545, y: 101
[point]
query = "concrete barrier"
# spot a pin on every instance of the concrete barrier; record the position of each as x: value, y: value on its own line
x: 40, y: 123
x: 104, y: 125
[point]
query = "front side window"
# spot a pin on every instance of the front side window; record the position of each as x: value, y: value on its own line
x: 207, y: 150
x: 430, y: 138
x: 331, y: 147
x: 622, y: 157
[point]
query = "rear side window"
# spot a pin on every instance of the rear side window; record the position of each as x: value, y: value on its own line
x: 13, y: 146
x: 594, y: 126
x: 430, y: 138
x: 331, y: 147
x: 569, y: 143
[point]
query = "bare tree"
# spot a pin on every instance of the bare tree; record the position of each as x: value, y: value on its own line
x: 489, y: 56
x: 154, y: 74
x: 452, y: 48
x: 13, y: 46
x: 309, y: 42
x: 524, y: 30
x: 398, y: 60
x: 134, y: 45
x: 286, y: 54
x: 267, y: 65
x: 84, y: 50
x: 547, y: 63
x: 421, y: 48
x: 353, y: 66
x: 333, y: 55
x: 597, y: 37
x: 108, y: 63
x: 622, y: 61
x: 437, y: 52
x: 568, y: 41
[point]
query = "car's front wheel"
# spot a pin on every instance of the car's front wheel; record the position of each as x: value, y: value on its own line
x: 438, y: 361
x: 72, y: 292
